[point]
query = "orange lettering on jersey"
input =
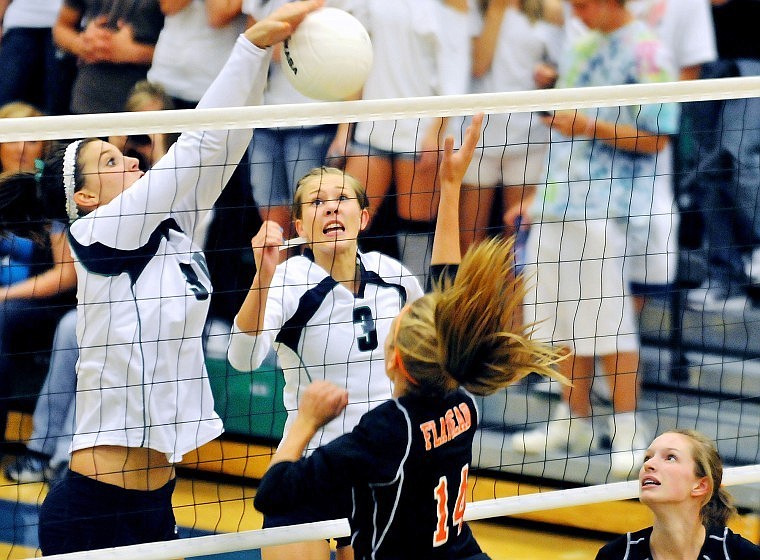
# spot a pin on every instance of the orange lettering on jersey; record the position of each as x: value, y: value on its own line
x: 456, y: 421
x: 443, y: 436
x: 428, y: 429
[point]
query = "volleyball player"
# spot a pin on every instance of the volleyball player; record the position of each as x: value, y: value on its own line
x: 327, y: 313
x: 407, y: 461
x: 680, y: 482
x: 143, y: 396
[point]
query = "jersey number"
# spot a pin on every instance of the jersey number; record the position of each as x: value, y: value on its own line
x: 363, y: 318
x: 441, y: 495
x: 196, y: 286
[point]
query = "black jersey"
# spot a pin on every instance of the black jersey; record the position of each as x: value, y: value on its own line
x: 720, y: 544
x: 407, y: 463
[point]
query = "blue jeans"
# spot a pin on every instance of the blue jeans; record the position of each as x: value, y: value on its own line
x: 32, y: 69
x: 53, y: 419
x: 281, y: 156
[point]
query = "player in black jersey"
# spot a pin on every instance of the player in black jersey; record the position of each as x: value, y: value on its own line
x: 680, y: 482
x: 408, y: 460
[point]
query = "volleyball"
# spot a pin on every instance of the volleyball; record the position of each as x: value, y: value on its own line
x: 329, y: 56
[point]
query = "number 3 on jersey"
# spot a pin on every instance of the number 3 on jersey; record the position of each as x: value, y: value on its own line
x: 441, y: 495
x: 363, y: 319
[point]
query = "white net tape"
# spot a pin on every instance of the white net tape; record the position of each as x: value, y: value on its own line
x: 248, y: 540
x: 80, y: 126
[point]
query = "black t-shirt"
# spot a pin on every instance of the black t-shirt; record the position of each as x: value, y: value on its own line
x: 736, y: 33
x: 407, y: 463
x: 720, y: 544
x: 104, y: 87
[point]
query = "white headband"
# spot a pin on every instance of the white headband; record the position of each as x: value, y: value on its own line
x: 69, y: 176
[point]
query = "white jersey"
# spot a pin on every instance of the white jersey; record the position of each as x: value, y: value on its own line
x: 321, y: 330
x: 144, y: 289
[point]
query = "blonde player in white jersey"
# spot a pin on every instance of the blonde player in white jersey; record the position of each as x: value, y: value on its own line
x: 327, y: 314
x: 143, y: 396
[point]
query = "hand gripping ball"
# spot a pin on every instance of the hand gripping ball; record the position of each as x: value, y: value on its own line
x: 329, y: 56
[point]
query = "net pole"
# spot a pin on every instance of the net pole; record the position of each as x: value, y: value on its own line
x: 585, y: 495
x: 216, y: 544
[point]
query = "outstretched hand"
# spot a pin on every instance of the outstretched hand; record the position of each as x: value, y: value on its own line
x: 281, y: 23
x: 455, y: 164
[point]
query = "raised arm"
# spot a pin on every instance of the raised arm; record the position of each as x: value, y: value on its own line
x: 446, y: 248
x: 187, y: 181
x: 484, y: 45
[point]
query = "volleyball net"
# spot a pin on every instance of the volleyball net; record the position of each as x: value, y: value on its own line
x: 697, y: 363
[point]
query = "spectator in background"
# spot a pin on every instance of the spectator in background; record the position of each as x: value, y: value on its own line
x: 584, y: 219
x: 516, y: 36
x: 421, y: 48
x: 31, y: 307
x: 47, y: 451
x: 24, y: 155
x: 724, y: 177
x: 17, y: 253
x: 147, y: 148
x: 113, y: 42
x: 212, y: 26
x: 32, y: 69
x: 279, y: 157
x: 685, y: 28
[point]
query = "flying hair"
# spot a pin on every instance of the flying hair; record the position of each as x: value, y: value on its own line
x: 465, y: 332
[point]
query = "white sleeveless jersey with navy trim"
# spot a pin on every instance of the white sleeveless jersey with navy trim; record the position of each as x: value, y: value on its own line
x: 720, y: 544
x: 144, y: 289
x: 320, y: 330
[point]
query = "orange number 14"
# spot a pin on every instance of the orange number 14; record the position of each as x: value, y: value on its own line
x: 441, y: 495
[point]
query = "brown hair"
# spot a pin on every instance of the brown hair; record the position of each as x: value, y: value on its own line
x: 718, y: 507
x: 317, y: 173
x: 465, y: 333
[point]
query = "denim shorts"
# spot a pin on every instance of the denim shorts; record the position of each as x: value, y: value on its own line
x: 279, y: 157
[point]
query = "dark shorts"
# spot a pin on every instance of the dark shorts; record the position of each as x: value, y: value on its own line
x: 80, y: 513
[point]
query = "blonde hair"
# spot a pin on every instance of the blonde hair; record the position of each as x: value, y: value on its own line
x: 19, y: 110
x: 316, y: 174
x: 144, y: 93
x: 465, y: 333
x: 718, y: 507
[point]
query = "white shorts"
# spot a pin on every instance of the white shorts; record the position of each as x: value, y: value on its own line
x: 518, y: 164
x: 653, y: 256
x: 578, y: 294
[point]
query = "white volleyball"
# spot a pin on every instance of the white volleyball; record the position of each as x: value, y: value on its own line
x: 329, y: 56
